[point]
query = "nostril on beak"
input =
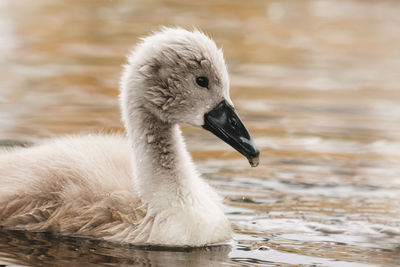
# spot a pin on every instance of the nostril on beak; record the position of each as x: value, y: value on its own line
x: 233, y: 122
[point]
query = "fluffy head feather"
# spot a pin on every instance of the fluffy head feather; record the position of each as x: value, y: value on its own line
x: 166, y: 65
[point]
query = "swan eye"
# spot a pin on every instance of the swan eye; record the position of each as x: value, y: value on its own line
x: 202, y: 81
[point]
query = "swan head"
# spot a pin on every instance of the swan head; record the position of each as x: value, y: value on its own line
x: 180, y: 76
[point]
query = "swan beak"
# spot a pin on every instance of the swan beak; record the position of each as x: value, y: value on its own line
x: 225, y: 123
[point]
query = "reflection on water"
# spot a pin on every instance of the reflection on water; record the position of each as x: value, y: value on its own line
x: 315, y: 81
x: 19, y: 247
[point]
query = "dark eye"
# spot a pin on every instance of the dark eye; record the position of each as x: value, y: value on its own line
x: 202, y: 81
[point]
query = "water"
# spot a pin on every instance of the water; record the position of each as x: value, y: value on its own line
x: 315, y: 81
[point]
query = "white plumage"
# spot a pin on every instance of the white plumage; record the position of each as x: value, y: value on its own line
x: 140, y: 189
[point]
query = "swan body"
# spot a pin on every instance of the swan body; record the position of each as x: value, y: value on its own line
x: 141, y: 188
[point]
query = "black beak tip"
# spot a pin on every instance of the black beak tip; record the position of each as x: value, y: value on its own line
x: 254, y: 160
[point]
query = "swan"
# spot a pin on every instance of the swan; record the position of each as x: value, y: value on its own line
x: 140, y: 188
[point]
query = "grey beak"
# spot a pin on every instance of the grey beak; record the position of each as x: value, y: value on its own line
x: 225, y: 123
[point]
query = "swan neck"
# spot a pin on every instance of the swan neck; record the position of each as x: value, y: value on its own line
x: 162, y: 166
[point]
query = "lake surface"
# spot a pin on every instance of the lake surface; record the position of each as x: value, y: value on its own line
x: 316, y: 82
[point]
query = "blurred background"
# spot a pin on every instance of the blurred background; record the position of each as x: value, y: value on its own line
x: 316, y: 82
